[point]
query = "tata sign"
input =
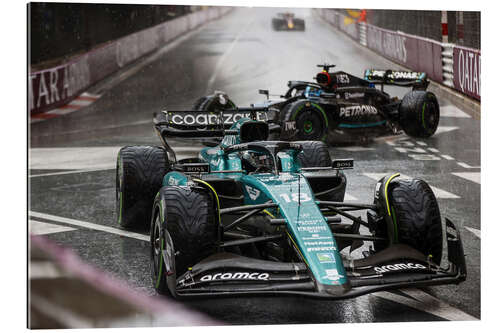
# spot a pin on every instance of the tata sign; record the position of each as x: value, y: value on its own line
x: 467, y: 71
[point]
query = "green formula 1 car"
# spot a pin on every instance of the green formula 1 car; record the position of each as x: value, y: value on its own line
x: 256, y: 217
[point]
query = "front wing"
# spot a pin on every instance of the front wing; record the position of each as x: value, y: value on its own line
x: 399, y: 266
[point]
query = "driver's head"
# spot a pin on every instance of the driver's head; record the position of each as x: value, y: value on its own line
x: 324, y: 79
x: 258, y: 162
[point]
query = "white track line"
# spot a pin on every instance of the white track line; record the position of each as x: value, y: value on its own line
x: 465, y: 165
x: 219, y: 64
x: 476, y: 232
x: 444, y: 129
x: 44, y: 228
x: 472, y: 176
x: 89, y: 225
x: 452, y: 111
x: 439, y: 193
x: 356, y: 148
x: 44, y: 270
x: 69, y: 172
x: 430, y: 304
x: 51, y: 309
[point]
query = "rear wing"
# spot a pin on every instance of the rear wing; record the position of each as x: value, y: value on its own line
x: 205, y: 124
x: 285, y: 15
x: 417, y: 80
x: 199, y: 125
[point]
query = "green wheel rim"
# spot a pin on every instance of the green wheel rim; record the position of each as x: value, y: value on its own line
x: 308, y: 126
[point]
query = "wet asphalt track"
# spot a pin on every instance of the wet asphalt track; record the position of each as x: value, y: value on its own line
x: 72, y: 162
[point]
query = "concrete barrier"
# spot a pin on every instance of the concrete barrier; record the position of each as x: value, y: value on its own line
x: 454, y: 66
x: 56, y: 86
x: 65, y: 292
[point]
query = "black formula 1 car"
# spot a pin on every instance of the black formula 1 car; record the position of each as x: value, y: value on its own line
x: 342, y: 108
x: 288, y: 21
x: 257, y: 217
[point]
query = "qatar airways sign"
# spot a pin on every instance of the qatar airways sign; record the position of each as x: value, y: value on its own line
x: 57, y: 85
x: 467, y: 71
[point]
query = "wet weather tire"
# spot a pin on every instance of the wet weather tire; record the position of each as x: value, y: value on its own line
x: 417, y: 217
x: 314, y: 154
x: 303, y: 120
x: 276, y: 24
x: 158, y: 245
x: 199, y: 102
x: 300, y: 25
x: 190, y: 221
x: 419, y: 114
x: 139, y: 176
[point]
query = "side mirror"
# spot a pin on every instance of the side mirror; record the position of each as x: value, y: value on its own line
x: 264, y: 92
x: 210, y: 143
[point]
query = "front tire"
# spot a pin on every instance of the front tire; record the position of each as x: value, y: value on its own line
x: 415, y: 211
x: 419, y: 114
x: 139, y: 176
x: 191, y: 223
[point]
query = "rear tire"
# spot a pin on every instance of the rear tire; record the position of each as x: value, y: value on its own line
x: 211, y: 103
x: 199, y: 102
x: 419, y: 114
x: 316, y: 154
x: 139, y: 176
x: 311, y: 122
x: 276, y: 23
x: 300, y: 25
x: 417, y: 217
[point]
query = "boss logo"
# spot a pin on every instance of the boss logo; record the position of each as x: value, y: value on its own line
x: 196, y: 168
x: 343, y: 164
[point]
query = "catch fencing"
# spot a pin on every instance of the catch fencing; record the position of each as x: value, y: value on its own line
x: 56, y: 86
x: 454, y: 66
